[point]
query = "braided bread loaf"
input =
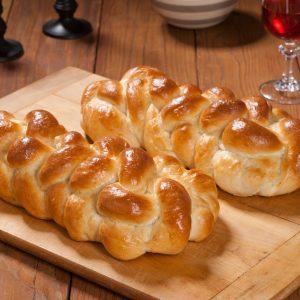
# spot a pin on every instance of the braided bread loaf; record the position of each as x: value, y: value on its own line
x: 106, y: 192
x: 246, y: 145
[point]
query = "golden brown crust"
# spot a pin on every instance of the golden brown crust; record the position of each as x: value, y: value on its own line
x: 61, y: 163
x: 278, y: 114
x: 259, y: 110
x: 218, y: 93
x: 74, y: 215
x: 5, y: 184
x: 90, y: 91
x: 29, y: 195
x: 112, y: 120
x: 183, y: 142
x: 181, y: 120
x: 136, y: 104
x: 161, y: 89
x: 220, y: 113
x: 9, y: 131
x: 116, y: 202
x: 93, y: 173
x: 43, y: 125
x: 167, y: 164
x: 181, y: 109
x: 81, y: 218
x: 25, y: 151
x: 173, y: 230
x: 142, y: 72
x: 248, y: 137
x: 205, y: 187
x: 123, y: 241
x: 56, y: 198
x: 70, y: 138
x: 156, y: 139
x: 290, y: 128
x: 7, y: 127
x: 176, y: 206
x: 4, y: 115
x: 205, y: 149
x: 136, y: 169
x: 110, y: 90
x: 110, y: 146
x: 106, y: 192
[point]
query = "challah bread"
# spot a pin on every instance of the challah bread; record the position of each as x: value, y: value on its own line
x: 107, y: 192
x: 247, y: 146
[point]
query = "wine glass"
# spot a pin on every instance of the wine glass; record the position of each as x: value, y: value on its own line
x: 282, y: 19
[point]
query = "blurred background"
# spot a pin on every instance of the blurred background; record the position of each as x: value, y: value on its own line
x: 127, y: 33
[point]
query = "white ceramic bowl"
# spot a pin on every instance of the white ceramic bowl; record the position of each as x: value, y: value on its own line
x: 194, y: 13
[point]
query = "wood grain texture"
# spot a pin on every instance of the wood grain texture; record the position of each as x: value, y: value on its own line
x: 23, y: 276
x: 35, y: 92
x: 205, y: 268
x: 44, y: 55
x: 7, y: 4
x: 267, y: 278
x: 82, y: 290
x: 294, y: 296
x: 233, y: 53
x: 133, y: 34
x: 243, y: 240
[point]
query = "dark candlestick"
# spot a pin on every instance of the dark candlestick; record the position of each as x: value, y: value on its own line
x: 9, y: 49
x: 67, y: 27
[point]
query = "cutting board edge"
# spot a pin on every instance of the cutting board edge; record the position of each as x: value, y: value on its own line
x: 70, y: 266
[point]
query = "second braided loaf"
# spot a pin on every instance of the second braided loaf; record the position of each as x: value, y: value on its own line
x: 247, y: 146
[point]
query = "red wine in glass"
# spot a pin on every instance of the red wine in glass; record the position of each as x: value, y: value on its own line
x: 282, y: 19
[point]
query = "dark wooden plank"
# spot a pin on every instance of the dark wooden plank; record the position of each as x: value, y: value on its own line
x: 24, y: 277
x: 7, y: 4
x: 294, y: 296
x: 84, y: 290
x: 44, y: 55
x: 238, y: 53
x: 133, y: 34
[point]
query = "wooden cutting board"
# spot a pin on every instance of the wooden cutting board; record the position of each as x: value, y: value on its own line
x: 254, y: 251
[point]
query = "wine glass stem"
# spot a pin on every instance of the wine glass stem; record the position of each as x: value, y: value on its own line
x: 289, y: 50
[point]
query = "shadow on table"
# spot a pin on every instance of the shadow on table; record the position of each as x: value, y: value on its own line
x: 195, y: 265
x: 192, y: 263
x: 238, y: 29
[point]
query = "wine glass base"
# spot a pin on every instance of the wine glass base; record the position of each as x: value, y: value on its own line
x: 274, y: 91
x: 69, y: 28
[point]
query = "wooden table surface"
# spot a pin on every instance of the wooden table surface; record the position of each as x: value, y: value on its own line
x: 238, y: 54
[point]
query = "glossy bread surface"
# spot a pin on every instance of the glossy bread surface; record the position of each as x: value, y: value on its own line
x: 248, y: 147
x: 107, y: 191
